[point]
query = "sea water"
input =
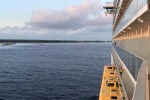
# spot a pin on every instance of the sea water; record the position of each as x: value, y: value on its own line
x: 61, y: 71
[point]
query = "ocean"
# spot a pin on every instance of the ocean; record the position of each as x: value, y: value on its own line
x: 63, y: 71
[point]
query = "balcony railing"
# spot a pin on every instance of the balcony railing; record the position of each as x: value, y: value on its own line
x: 138, y: 90
x: 132, y: 62
x: 116, y: 11
x: 134, y: 10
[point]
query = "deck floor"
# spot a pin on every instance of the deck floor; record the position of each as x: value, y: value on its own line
x: 108, y: 91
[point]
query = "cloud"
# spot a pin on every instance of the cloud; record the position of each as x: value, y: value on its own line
x: 86, y: 21
x: 72, y: 17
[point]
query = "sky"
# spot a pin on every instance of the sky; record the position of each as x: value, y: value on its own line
x: 54, y: 20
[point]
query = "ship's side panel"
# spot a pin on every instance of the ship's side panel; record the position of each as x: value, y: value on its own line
x: 131, y: 42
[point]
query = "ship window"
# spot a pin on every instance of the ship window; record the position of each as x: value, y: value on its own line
x: 113, y: 97
x: 110, y: 84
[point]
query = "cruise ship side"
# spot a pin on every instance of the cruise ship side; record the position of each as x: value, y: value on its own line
x: 131, y: 48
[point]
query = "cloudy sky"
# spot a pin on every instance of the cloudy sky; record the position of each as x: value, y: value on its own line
x: 54, y: 20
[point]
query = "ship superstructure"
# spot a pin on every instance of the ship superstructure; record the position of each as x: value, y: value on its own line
x: 131, y: 46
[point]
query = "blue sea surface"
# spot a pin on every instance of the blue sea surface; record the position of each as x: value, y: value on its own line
x: 52, y: 71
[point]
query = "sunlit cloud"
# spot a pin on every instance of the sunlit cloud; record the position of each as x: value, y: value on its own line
x: 73, y: 22
x: 72, y: 17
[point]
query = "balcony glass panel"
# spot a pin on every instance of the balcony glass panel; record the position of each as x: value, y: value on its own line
x: 132, y: 62
x: 117, y: 10
x: 132, y: 10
